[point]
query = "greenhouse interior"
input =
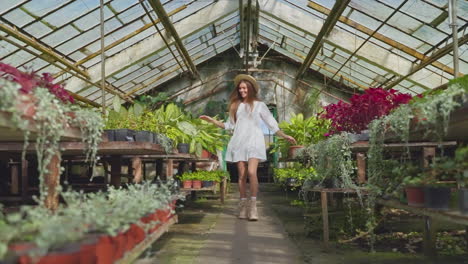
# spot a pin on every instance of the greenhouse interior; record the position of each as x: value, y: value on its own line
x: 233, y: 131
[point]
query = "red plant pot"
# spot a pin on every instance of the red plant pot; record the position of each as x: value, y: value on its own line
x: 205, y: 154
x: 120, y: 242
x: 137, y: 233
x: 187, y: 184
x: 70, y: 255
x: 88, y: 254
x: 196, y: 184
x: 415, y: 196
x: 105, y: 250
x: 21, y: 250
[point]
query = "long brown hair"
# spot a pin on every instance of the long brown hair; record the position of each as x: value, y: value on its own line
x: 235, y: 99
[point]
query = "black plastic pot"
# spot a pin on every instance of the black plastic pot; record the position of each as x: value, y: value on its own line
x: 463, y: 200
x: 437, y: 197
x: 183, y: 147
x: 207, y: 183
x: 143, y: 136
x: 155, y: 138
x: 291, y: 181
x: 124, y: 134
x: 110, y: 134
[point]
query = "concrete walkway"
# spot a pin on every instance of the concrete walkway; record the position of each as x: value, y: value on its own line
x: 233, y: 240
x: 211, y: 233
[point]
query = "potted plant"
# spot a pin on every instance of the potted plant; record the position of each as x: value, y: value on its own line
x: 461, y: 159
x: 306, y: 131
x: 293, y: 178
x: 187, y: 180
x: 436, y: 192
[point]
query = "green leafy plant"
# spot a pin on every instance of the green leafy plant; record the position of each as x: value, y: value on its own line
x: 217, y: 175
x: 306, y: 131
x: 294, y: 176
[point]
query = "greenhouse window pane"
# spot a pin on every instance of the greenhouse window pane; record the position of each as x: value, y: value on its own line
x: 71, y: 11
x: 40, y: 8
x: 60, y: 36
x: 429, y: 34
x: 18, y: 17
x: 421, y: 10
x: 132, y: 13
x: 38, y: 29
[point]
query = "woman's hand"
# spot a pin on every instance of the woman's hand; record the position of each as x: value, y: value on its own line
x: 206, y: 118
x: 290, y: 139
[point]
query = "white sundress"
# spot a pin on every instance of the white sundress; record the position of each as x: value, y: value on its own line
x: 247, y: 140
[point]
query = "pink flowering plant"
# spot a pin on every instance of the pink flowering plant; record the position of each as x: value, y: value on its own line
x: 355, y: 116
x: 30, y: 80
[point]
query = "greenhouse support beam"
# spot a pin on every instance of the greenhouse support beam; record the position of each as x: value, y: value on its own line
x: 121, y: 40
x: 103, y: 59
x: 48, y: 53
x: 242, y: 28
x: 74, y: 95
x: 83, y: 99
x: 160, y: 33
x: 437, y: 55
x: 247, y: 28
x: 454, y: 26
x: 370, y: 36
x: 394, y: 44
x: 332, y: 18
x: 159, y: 9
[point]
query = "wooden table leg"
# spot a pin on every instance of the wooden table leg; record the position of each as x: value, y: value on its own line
x: 169, y: 169
x: 52, y: 180
x: 14, y: 172
x: 361, y: 165
x: 323, y: 197
x: 24, y: 179
x: 116, y: 171
x: 430, y: 233
x: 222, y: 190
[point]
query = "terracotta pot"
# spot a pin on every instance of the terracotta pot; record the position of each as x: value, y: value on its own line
x: 105, y: 250
x: 292, y: 152
x: 205, y: 154
x: 415, y: 196
x: 71, y: 255
x: 120, y: 242
x: 88, y: 254
x: 21, y: 250
x: 138, y: 233
x: 196, y: 184
x: 187, y: 184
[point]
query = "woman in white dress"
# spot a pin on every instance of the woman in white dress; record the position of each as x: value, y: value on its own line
x: 247, y: 145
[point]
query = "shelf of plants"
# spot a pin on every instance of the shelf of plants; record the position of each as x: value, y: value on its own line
x: 393, y: 130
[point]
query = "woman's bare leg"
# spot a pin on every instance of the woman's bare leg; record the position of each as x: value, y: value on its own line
x: 252, y: 172
x: 242, y: 172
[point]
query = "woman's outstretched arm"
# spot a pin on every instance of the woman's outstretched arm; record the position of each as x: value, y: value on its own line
x: 212, y: 120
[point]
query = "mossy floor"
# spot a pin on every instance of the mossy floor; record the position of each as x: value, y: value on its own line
x: 184, y: 241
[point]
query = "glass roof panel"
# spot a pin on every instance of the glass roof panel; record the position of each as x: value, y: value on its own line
x: 7, y: 5
x: 71, y: 11
x: 430, y: 35
x: 421, y: 10
x: 38, y: 29
x: 58, y: 36
x: 18, y: 17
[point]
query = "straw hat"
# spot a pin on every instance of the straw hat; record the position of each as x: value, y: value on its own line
x: 246, y: 77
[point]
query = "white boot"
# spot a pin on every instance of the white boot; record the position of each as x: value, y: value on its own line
x: 243, y: 209
x: 253, y: 214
